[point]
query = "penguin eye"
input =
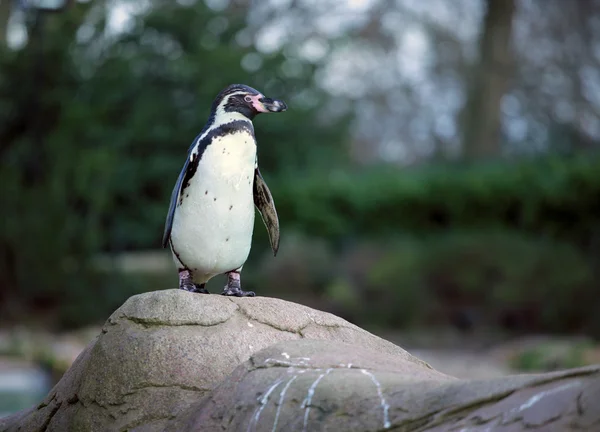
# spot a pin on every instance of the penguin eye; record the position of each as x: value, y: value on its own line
x: 247, y: 98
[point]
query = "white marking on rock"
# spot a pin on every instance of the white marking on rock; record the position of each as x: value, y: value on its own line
x: 294, y: 362
x: 384, y: 405
x: 281, y: 398
x: 278, y: 362
x: 286, y: 355
x: 311, y: 391
x: 250, y: 324
x: 262, y: 403
x: 536, y: 398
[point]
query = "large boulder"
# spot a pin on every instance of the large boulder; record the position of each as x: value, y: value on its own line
x: 162, y: 351
x: 310, y: 385
x: 176, y: 361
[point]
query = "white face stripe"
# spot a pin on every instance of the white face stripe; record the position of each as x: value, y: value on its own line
x: 220, y: 112
x: 222, y: 104
x: 222, y: 117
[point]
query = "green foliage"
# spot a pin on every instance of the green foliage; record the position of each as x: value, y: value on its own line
x: 43, y: 225
x: 485, y: 279
x: 499, y: 276
x: 302, y: 268
x: 551, y: 356
x: 554, y: 197
x: 510, y: 243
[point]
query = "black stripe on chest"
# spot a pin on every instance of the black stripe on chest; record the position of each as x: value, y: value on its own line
x: 225, y: 129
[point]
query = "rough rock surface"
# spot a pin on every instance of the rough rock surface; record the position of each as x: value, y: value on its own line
x: 176, y: 361
x: 162, y: 351
x: 328, y: 386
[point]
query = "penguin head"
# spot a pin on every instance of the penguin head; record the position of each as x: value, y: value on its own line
x: 245, y: 100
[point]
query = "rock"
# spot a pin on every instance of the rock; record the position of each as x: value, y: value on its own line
x: 309, y: 385
x: 176, y: 361
x: 312, y: 385
x: 162, y: 351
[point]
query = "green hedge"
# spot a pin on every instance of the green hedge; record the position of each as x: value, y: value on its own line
x: 475, y: 278
x: 557, y: 197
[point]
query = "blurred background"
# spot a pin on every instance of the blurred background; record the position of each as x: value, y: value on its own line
x: 437, y: 175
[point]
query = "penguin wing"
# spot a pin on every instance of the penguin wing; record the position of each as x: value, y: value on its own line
x: 173, y: 205
x: 263, y: 200
x: 186, y: 172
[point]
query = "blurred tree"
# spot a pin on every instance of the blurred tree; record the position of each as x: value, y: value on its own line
x: 5, y: 8
x: 39, y: 232
x: 489, y: 81
x: 422, y: 77
x: 557, y: 80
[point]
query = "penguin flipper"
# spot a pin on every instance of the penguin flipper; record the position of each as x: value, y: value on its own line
x: 263, y: 200
x: 186, y: 172
x: 173, y: 205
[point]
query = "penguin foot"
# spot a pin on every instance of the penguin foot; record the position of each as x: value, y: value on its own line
x: 234, y: 287
x: 228, y: 291
x: 200, y: 289
x: 187, y: 284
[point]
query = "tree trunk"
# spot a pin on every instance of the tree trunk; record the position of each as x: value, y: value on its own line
x: 489, y: 81
x: 5, y: 6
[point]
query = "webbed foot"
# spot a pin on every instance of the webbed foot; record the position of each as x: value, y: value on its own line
x: 234, y: 287
x: 187, y: 284
x: 200, y: 288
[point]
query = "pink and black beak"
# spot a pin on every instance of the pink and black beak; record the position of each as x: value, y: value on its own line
x: 265, y: 105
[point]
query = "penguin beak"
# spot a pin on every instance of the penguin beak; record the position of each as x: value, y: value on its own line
x: 273, y: 105
x: 264, y: 104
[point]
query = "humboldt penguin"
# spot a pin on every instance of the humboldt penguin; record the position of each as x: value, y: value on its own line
x: 211, y: 214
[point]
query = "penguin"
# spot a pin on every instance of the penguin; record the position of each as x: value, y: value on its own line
x: 211, y: 213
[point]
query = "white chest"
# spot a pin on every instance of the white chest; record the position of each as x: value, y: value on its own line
x: 212, y: 225
x: 229, y: 160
